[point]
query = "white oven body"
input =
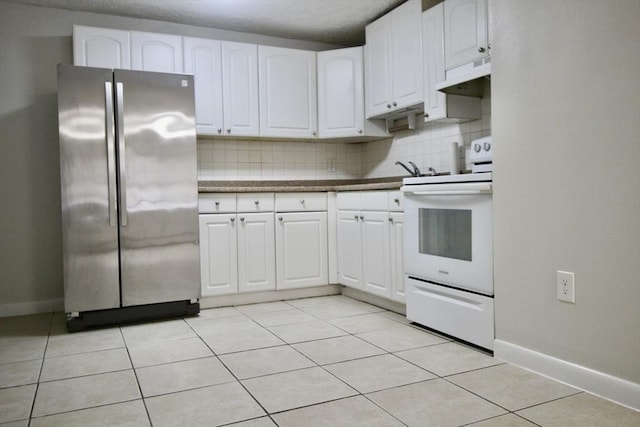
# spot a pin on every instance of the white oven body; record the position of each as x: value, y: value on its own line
x: 448, y: 235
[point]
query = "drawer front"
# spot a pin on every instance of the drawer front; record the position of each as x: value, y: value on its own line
x: 217, y: 202
x: 396, y: 201
x: 375, y: 200
x: 301, y: 202
x: 349, y: 200
x: 255, y: 202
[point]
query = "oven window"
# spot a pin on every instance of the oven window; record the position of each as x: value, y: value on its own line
x: 445, y: 233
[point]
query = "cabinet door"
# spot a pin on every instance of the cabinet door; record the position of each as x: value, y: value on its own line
x: 340, y: 93
x: 288, y: 93
x: 240, y: 89
x: 377, y: 71
x: 156, y: 52
x: 465, y: 26
x: 218, y: 254
x: 301, y: 250
x: 397, y: 260
x: 376, y: 255
x: 101, y: 47
x: 349, y: 249
x: 433, y: 43
x: 256, y: 252
x: 202, y: 58
x: 406, y: 54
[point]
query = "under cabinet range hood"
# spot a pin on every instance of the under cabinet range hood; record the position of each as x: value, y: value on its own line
x: 468, y: 79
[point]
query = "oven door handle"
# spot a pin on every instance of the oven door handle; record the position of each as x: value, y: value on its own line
x: 448, y: 189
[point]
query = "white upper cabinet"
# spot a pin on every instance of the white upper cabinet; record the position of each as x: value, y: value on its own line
x: 203, y: 59
x: 240, y: 89
x: 156, y: 52
x: 287, y: 85
x: 437, y: 105
x: 341, y: 95
x: 466, y: 31
x: 101, y: 47
x: 393, y: 61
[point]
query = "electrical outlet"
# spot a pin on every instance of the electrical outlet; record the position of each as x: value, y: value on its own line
x: 566, y: 286
x: 331, y: 165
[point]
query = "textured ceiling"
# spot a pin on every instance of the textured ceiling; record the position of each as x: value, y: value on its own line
x: 331, y: 21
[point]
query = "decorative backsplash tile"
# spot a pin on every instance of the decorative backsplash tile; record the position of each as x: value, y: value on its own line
x: 427, y: 146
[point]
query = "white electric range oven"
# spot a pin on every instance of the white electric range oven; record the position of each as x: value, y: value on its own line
x: 448, y: 253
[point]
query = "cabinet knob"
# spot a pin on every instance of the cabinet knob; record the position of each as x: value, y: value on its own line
x: 280, y: 218
x: 397, y: 201
x: 391, y: 220
x: 426, y: 115
x: 242, y: 218
x: 228, y: 130
x: 395, y: 104
x: 219, y: 130
x: 233, y: 220
x: 388, y: 105
x: 302, y: 201
x: 359, y: 130
x: 361, y: 218
x: 257, y: 202
x: 356, y: 217
x: 481, y: 49
x: 217, y: 203
x: 314, y: 133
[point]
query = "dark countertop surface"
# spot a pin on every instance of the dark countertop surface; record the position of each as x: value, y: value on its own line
x: 389, y: 183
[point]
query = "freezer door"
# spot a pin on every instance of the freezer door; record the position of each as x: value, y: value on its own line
x: 157, y: 163
x: 88, y: 187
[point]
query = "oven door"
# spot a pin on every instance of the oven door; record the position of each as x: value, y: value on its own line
x: 448, y: 235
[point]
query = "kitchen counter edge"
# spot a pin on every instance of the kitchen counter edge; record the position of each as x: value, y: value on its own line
x: 392, y: 183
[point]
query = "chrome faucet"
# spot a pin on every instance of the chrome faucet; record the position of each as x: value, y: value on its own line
x: 431, y: 171
x: 414, y: 172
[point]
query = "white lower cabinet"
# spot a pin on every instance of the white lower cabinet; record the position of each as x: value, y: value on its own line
x: 301, y: 249
x: 218, y: 254
x: 370, y: 242
x: 256, y: 258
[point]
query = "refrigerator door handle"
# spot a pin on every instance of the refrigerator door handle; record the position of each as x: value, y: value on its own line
x: 121, y: 153
x: 111, y: 154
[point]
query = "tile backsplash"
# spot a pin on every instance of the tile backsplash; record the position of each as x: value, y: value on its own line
x: 427, y: 146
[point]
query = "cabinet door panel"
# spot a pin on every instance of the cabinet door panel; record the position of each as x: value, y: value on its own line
x: 156, y: 52
x: 376, y: 259
x: 256, y: 252
x: 301, y: 247
x: 218, y: 254
x: 202, y: 58
x: 433, y: 42
x: 377, y: 56
x: 240, y: 89
x: 465, y: 28
x: 406, y: 54
x: 101, y: 47
x: 349, y: 249
x: 397, y: 259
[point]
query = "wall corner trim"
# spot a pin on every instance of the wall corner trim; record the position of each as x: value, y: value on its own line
x: 616, y: 389
x: 32, y: 307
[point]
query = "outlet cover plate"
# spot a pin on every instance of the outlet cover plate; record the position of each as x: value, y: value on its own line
x: 566, y: 286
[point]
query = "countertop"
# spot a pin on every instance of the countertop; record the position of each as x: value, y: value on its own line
x: 390, y: 183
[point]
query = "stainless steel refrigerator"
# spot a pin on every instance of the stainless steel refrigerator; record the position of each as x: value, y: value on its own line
x: 128, y: 174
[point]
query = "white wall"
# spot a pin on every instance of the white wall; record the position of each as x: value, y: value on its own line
x: 32, y: 41
x: 566, y: 126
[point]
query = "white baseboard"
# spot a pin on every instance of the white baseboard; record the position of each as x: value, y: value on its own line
x: 607, y: 386
x: 396, y: 307
x: 268, y: 296
x: 32, y: 307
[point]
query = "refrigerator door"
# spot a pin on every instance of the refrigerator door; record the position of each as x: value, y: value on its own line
x: 88, y: 189
x: 157, y: 167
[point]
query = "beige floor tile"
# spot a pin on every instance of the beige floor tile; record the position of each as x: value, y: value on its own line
x: 22, y: 351
x: 264, y: 307
x: 258, y: 422
x: 403, y: 338
x: 326, y: 312
x: 208, y: 406
x: 180, y: 376
x: 84, y: 342
x: 215, y: 313
x: 378, y: 373
x: 434, y: 403
x: 508, y: 420
x: 208, y: 326
x: 165, y: 330
x: 15, y: 402
x: 85, y: 392
x: 241, y: 339
x: 157, y: 353
x: 511, y: 387
x: 350, y: 412
x: 77, y: 365
x: 127, y: 414
x: 281, y: 317
x: 307, y: 331
x: 401, y: 318
x: 39, y: 322
x: 266, y: 361
x: 23, y: 423
x: 19, y: 373
x: 338, y: 349
x: 365, y: 323
x: 581, y: 410
x: 22, y: 337
x: 294, y: 389
x: 448, y: 358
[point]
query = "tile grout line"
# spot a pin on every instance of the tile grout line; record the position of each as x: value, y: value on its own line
x: 135, y: 374
x: 35, y: 393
